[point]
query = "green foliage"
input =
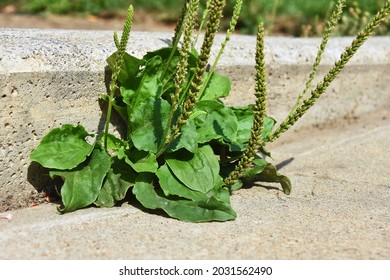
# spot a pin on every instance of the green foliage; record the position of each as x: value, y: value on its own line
x: 198, y: 171
x: 83, y: 183
x: 184, y: 151
x: 306, y: 18
x: 214, y: 208
x: 332, y: 23
x: 289, y: 17
x: 63, y: 148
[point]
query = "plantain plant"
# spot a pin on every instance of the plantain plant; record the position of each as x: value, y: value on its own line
x: 184, y: 150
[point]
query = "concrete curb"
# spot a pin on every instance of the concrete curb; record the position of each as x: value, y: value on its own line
x: 48, y: 78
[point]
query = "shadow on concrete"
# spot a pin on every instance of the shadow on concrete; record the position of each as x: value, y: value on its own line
x: 38, y: 176
x: 284, y: 163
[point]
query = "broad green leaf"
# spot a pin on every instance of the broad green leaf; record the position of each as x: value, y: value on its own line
x: 148, y: 123
x: 119, y: 179
x: 270, y: 174
x: 269, y: 124
x: 82, y: 184
x: 220, y: 122
x: 169, y: 71
x: 63, y: 148
x: 237, y: 185
x: 185, y: 210
x: 220, y: 192
x: 129, y: 67
x: 165, y: 54
x: 218, y: 87
x: 259, y: 166
x: 141, y: 161
x: 196, y: 114
x: 245, y: 121
x: 172, y: 186
x: 187, y: 139
x: 119, y: 106
x: 113, y: 143
x: 198, y: 171
x: 146, y: 85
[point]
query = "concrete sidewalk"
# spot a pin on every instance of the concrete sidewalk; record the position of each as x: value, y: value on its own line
x: 339, y: 209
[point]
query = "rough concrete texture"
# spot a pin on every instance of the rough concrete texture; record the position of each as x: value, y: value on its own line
x: 339, y: 207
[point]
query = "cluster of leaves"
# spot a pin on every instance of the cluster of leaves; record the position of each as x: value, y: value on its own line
x: 184, y: 151
x: 186, y: 180
x: 183, y: 173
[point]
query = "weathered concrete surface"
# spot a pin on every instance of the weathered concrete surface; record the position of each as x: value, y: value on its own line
x: 339, y: 209
x: 48, y: 78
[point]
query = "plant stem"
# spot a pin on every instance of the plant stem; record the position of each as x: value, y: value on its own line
x: 259, y: 112
x: 177, y: 36
x: 205, y: 13
x: 332, y: 74
x: 179, y: 24
x: 181, y: 73
x: 229, y: 32
x: 117, y: 68
x: 216, y: 7
x: 335, y: 17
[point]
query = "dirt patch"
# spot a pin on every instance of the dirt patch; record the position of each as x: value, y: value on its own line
x: 11, y: 203
x: 142, y: 22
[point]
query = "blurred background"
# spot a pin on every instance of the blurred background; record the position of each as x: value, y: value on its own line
x: 299, y: 18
